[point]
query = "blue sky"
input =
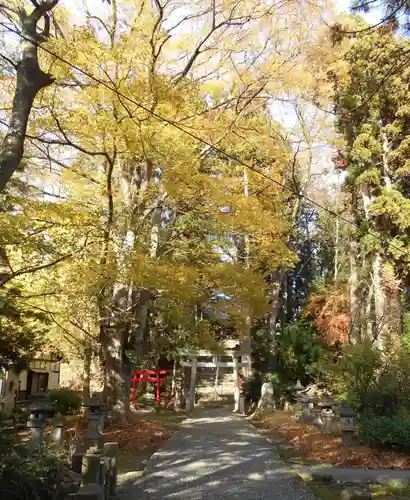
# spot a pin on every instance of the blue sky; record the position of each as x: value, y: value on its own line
x: 374, y: 16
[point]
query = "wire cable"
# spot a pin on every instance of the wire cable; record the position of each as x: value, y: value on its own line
x: 196, y: 137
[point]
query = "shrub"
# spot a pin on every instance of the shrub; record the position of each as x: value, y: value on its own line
x: 386, y: 431
x: 66, y: 400
x: 299, y: 350
x: 28, y: 476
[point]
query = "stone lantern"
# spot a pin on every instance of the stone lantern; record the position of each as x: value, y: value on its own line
x: 347, y: 423
x: 95, y: 410
x: 40, y: 409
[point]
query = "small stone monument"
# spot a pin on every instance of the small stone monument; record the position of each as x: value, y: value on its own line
x: 347, y: 423
x: 266, y: 402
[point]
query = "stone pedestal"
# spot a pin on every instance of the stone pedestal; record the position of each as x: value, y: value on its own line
x: 36, y: 424
x: 317, y: 419
x: 94, y: 418
x: 297, y: 411
x: 57, y: 434
x: 91, y: 470
x: 90, y: 492
x: 111, y: 452
x: 327, y: 417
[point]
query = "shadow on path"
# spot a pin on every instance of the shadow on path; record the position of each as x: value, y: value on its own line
x: 216, y: 455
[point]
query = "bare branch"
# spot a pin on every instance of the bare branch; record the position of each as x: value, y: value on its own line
x: 12, y: 63
x: 6, y: 277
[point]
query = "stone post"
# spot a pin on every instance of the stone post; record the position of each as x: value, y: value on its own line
x: 90, y: 492
x: 236, y: 382
x: 111, y: 452
x: 297, y: 411
x: 192, y: 387
x: 77, y: 462
x: 91, y: 471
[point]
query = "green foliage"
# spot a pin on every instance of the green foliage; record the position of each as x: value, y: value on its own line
x: 66, y: 400
x: 299, y: 350
x: 28, y: 476
x: 21, y: 331
x: 386, y: 431
x: 376, y: 383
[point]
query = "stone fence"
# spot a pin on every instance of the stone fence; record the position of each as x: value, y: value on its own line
x: 94, y: 464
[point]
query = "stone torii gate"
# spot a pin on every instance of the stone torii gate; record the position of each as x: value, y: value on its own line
x: 238, y: 350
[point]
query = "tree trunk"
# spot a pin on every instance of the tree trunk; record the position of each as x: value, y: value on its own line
x: 379, y: 301
x: 354, y: 329
x: 277, y: 280
x: 236, y: 382
x: 30, y: 80
x: 87, y: 374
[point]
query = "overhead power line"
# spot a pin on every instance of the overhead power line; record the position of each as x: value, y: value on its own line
x: 194, y: 136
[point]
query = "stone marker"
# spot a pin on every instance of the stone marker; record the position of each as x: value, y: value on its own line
x: 266, y: 402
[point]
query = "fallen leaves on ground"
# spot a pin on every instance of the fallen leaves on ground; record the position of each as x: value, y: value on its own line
x: 137, y: 435
x: 141, y: 434
x: 321, y: 447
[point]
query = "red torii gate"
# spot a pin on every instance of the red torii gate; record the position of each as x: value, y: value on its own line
x: 148, y: 376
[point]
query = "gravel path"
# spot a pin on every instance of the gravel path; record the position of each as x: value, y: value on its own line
x: 216, y: 455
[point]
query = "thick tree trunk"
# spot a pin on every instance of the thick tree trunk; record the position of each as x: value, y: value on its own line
x: 30, y: 80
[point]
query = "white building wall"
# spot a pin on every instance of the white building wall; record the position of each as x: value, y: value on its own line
x: 23, y: 381
x: 53, y: 380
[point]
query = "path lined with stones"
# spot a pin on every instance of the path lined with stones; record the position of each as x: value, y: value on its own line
x: 216, y: 455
